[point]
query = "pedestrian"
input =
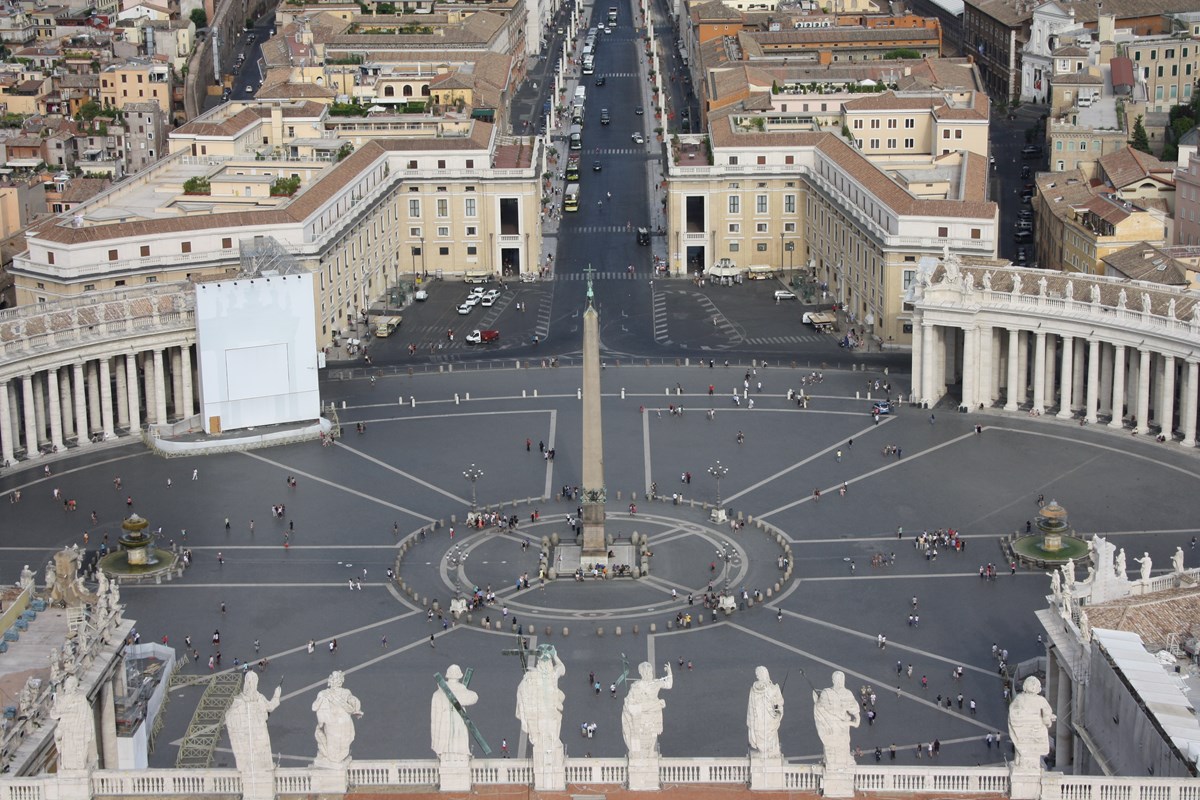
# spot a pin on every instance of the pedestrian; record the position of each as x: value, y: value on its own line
x: 195, y: 474
x: 383, y: 642
x: 931, y: 419
x: 222, y: 606
x: 168, y: 483
x: 612, y: 689
x: 256, y: 646
x: 220, y: 558
x: 227, y: 523
x: 332, y: 646
x: 431, y: 642
x: 972, y: 707
x: 504, y: 747
x: 312, y: 645
x: 839, y: 456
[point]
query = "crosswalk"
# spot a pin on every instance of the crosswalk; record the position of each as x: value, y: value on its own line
x: 797, y: 339
x: 621, y: 275
x: 596, y: 228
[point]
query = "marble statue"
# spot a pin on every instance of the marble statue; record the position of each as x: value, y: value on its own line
x: 1122, y: 299
x: 987, y: 281
x: 540, y: 708
x: 764, y: 714
x: 1068, y: 570
x: 1085, y: 627
x: 51, y: 576
x: 1146, y: 564
x: 1120, y: 565
x: 1065, y: 610
x: 1177, y: 561
x: 56, y: 667
x: 1056, y: 586
x: 448, y: 731
x: 1146, y: 303
x: 1029, y: 721
x: 641, y: 715
x: 26, y: 698
x: 336, y: 711
x: 1171, y: 308
x: 1070, y: 290
x: 1195, y: 312
x: 835, y: 710
x: 75, y: 733
x: 246, y: 720
x: 1095, y: 294
x: 1042, y: 285
x: 27, y: 579
x: 952, y: 263
x: 1016, y: 288
x: 968, y: 282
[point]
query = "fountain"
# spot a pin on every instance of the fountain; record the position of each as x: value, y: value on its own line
x: 1053, y: 542
x: 138, y: 556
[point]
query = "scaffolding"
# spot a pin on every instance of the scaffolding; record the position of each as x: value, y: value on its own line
x: 204, y: 731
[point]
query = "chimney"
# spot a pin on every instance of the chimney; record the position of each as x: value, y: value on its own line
x: 1106, y: 26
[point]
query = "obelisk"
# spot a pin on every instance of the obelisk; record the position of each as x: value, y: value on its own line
x: 595, y: 549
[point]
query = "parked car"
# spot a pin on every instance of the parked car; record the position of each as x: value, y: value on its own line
x: 490, y: 298
x: 881, y: 407
x: 1023, y: 237
x: 421, y: 294
x: 638, y: 138
x: 465, y: 308
x: 1031, y: 151
x: 596, y: 166
x: 483, y: 337
x: 639, y: 111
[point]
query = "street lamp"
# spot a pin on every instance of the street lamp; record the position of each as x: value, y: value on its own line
x: 718, y: 471
x: 472, y: 473
x: 456, y: 557
x: 728, y: 554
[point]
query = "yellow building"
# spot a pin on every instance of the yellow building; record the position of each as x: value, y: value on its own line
x: 894, y: 126
x: 137, y: 81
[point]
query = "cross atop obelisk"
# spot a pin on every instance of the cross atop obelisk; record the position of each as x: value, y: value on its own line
x: 595, y: 548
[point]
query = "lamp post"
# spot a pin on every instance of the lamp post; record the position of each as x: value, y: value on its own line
x: 472, y: 473
x: 455, y: 558
x: 718, y: 471
x: 728, y: 554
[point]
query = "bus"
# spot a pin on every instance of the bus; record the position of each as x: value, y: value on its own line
x: 573, y: 168
x: 589, y: 64
x: 386, y: 326
x: 576, y: 137
x: 612, y: 14
x: 571, y: 198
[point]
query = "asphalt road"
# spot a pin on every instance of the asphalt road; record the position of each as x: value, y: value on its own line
x: 1007, y: 138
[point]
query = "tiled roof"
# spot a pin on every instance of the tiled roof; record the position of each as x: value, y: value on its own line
x: 1070, y: 50
x: 891, y: 101
x: 1145, y: 262
x: 1080, y: 78
x: 1128, y: 166
x: 714, y: 11
x: 291, y: 90
x: 1011, y: 13
x: 840, y: 34
x: 79, y: 189
x: 1154, y: 617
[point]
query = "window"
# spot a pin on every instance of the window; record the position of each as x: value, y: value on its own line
x: 443, y: 232
x: 789, y: 204
x: 891, y: 123
x: 443, y: 207
x: 185, y: 247
x: 89, y: 287
x: 412, y: 164
x: 1083, y: 145
x: 891, y: 143
x: 49, y: 260
x: 414, y: 208
x: 443, y: 251
x: 762, y: 160
x: 144, y: 250
x: 734, y: 247
x: 760, y: 204
x: 858, y: 124
x: 910, y: 275
x: 472, y: 250
x: 227, y: 243
x: 761, y: 247
x: 946, y: 133
x: 152, y: 279
x: 910, y: 123
x: 735, y: 204
x: 874, y: 124
x: 41, y: 285
x: 735, y: 227
x: 874, y: 144
x: 441, y: 163
x: 789, y: 159
x: 943, y: 233
x: 733, y: 160
x: 470, y: 163
x: 789, y: 227
x: 976, y: 233
x: 112, y: 255
x: 909, y: 144
x: 472, y: 230
x: 414, y: 233
x: 958, y: 133
x: 469, y: 206
x: 760, y: 227
x: 119, y: 282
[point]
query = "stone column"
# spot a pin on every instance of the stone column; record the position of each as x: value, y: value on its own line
x: 1062, y: 729
x: 1078, y: 388
x: 106, y: 401
x: 1068, y: 377
x: 68, y: 408
x: 39, y: 407
x: 1093, y: 381
x: 1166, y: 410
x: 1023, y: 367
x: 985, y: 392
x: 1039, y: 372
x: 1189, y: 404
x: 185, y: 369
x: 1118, y: 387
x: 108, y: 727
x: 160, y: 388
x: 175, y: 362
x: 1011, y: 402
x: 7, y: 448
x: 997, y: 361
x: 928, y: 365
x: 120, y: 383
x: 131, y: 388
x: 81, y: 418
x: 55, y: 397
x: 970, y: 380
x: 93, y: 396
x: 1049, y: 391
x: 1106, y: 378
x: 1143, y: 398
x: 31, y: 436
x: 918, y: 360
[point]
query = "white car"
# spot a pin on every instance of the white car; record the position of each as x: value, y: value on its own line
x: 638, y: 138
x: 477, y: 291
x: 472, y: 300
x: 465, y: 308
x: 421, y: 294
x: 490, y: 299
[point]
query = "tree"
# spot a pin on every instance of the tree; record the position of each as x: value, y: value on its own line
x: 88, y: 111
x: 197, y: 185
x: 1140, y: 140
x: 285, y: 187
x: 902, y: 52
x: 199, y: 18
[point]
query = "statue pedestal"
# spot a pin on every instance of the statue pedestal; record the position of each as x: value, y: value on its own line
x: 718, y: 515
x: 454, y: 773
x: 643, y: 774
x: 550, y: 770
x: 595, y: 546
x: 458, y: 607
x: 727, y: 604
x: 1024, y: 784
x: 258, y: 785
x: 74, y: 784
x: 838, y: 782
x: 329, y: 779
x: 766, y: 772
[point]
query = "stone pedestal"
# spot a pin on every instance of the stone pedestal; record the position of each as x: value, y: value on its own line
x: 643, y: 774
x: 458, y: 607
x: 718, y: 515
x: 727, y: 604
x: 1024, y: 784
x: 454, y: 774
x: 550, y: 770
x: 838, y: 783
x: 766, y: 772
x: 595, y: 547
x: 329, y: 780
x: 258, y: 785
x: 73, y: 784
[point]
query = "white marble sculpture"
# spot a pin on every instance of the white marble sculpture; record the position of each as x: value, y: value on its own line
x: 1085, y: 626
x: 1070, y: 290
x: 448, y: 731
x: 987, y: 281
x: 1016, y: 287
x: 764, y: 714
x: 1146, y: 303
x: 1146, y: 565
x: 642, y: 713
x: 336, y: 711
x: 1122, y: 299
x: 56, y: 667
x: 1177, y: 561
x: 1042, y: 286
x: 836, y: 711
x: 1095, y: 294
x: 75, y: 733
x: 1056, y: 586
x: 1171, y: 308
x: 1029, y: 721
x: 1120, y: 567
x: 27, y: 579
x: 540, y: 709
x: 246, y: 721
x: 1068, y: 570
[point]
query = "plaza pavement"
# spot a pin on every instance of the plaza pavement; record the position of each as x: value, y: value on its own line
x: 406, y: 469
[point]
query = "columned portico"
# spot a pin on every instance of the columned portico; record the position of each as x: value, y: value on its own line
x: 928, y: 363
x: 1012, y: 401
x: 1189, y: 404
x: 160, y: 389
x: 7, y: 456
x: 1039, y: 372
x: 1093, y: 382
x: 106, y: 403
x: 969, y: 382
x: 131, y: 388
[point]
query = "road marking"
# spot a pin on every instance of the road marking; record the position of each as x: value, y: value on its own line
x: 407, y: 475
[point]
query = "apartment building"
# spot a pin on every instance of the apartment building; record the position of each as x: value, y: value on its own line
x: 145, y: 135
x: 784, y: 194
x: 137, y: 81
x: 453, y: 197
x: 1187, y: 192
x: 894, y: 126
x: 1078, y: 147
x: 1079, y: 225
x: 1167, y: 66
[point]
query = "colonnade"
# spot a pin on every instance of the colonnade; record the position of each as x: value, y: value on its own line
x: 1042, y: 372
x: 94, y: 399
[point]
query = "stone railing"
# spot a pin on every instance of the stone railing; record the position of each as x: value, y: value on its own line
x: 1088, y: 787
x: 957, y: 780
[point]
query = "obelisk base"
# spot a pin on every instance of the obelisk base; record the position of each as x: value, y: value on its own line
x: 595, y: 545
